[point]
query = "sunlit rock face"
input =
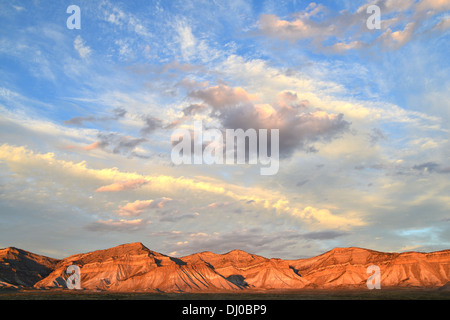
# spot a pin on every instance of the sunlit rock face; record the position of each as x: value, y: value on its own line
x: 135, y: 268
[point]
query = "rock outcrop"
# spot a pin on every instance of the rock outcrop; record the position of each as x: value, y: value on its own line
x: 346, y: 267
x: 135, y: 268
x: 20, y: 268
x: 252, y: 271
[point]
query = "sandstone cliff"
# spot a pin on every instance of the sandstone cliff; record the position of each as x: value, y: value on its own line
x: 135, y: 268
x: 346, y: 267
x: 20, y: 268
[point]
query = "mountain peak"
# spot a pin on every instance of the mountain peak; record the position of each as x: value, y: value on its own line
x: 11, y: 249
x: 137, y: 245
x: 349, y: 250
x: 133, y: 246
x: 17, y: 253
x: 237, y: 252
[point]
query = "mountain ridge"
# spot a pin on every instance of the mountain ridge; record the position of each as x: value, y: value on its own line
x: 21, y: 268
x: 133, y: 267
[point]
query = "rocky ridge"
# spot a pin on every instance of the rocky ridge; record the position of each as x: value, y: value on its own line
x: 135, y: 268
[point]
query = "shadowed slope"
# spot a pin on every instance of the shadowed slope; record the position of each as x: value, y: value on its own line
x: 20, y: 268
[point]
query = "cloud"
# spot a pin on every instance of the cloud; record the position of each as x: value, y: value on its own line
x: 222, y: 96
x: 302, y: 183
x: 430, y: 167
x: 326, y: 219
x: 295, y: 30
x: 387, y: 6
x: 359, y: 114
x: 79, y: 121
x: 121, y: 186
x: 194, y: 109
x: 27, y: 163
x: 324, y: 235
x: 342, y: 47
x: 376, y: 135
x: 118, y: 113
x: 250, y: 240
x: 443, y: 25
x: 297, y: 125
x: 18, y: 8
x: 175, y: 216
x: 135, y: 208
x: 151, y: 124
x: 399, y: 38
x: 93, y: 146
x: 83, y: 50
x: 127, y: 21
x: 186, y: 39
x: 117, y: 225
x: 118, y: 144
x: 216, y: 205
x: 434, y: 5
x: 347, y: 30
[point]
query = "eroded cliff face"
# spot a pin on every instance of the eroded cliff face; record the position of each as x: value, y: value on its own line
x: 20, y: 268
x: 346, y: 267
x: 252, y: 271
x: 135, y: 268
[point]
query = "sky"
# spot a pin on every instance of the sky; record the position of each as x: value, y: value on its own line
x: 87, y: 115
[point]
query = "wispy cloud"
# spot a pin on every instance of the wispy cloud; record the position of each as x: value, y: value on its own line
x: 83, y: 50
x: 135, y: 208
x: 79, y: 121
x: 121, y: 186
x: 346, y: 30
x: 117, y: 225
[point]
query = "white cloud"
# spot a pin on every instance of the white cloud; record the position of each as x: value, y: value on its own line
x: 186, y: 39
x: 18, y: 8
x: 119, y: 17
x: 83, y: 50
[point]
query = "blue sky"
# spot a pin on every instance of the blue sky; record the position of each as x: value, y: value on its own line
x: 87, y: 116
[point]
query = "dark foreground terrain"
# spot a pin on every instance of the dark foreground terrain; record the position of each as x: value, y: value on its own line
x: 386, y: 294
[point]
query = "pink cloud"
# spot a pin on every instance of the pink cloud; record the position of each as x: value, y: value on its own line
x: 135, y: 208
x: 92, y: 146
x: 216, y: 205
x: 125, y: 185
x: 223, y: 96
x: 95, y: 145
